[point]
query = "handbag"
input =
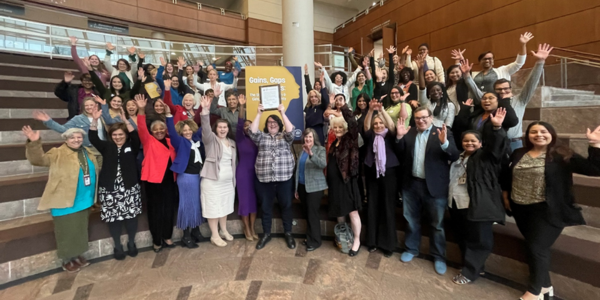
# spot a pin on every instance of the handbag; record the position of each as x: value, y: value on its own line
x: 344, y: 238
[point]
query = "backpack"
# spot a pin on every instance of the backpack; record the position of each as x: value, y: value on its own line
x: 344, y: 238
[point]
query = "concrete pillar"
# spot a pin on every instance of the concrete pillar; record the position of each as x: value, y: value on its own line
x: 298, y: 35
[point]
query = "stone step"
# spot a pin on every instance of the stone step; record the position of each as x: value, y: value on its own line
x: 571, y: 120
x: 19, y: 167
x: 19, y: 85
x: 10, y: 93
x: 22, y: 187
x: 19, y: 59
x: 17, y: 124
x: 24, y: 113
x: 28, y: 214
x: 17, y: 151
x: 7, y: 69
x: 17, y: 137
x: 32, y: 102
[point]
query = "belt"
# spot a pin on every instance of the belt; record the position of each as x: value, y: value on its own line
x: 516, y: 139
x: 417, y: 179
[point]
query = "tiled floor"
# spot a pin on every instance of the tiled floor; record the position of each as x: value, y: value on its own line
x: 239, y: 271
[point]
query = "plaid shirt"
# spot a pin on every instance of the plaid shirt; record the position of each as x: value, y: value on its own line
x: 275, y: 161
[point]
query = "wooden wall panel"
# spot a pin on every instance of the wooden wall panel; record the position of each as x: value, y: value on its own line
x: 481, y: 25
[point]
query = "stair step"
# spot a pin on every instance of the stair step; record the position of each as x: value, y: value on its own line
x: 20, y: 187
x: 19, y: 167
x: 568, y: 120
x: 17, y: 137
x: 33, y: 103
x: 36, y: 71
x: 19, y: 209
x: 24, y: 113
x: 21, y: 59
x: 17, y: 124
x: 17, y: 151
x: 27, y: 86
x: 21, y: 222
x: 27, y: 94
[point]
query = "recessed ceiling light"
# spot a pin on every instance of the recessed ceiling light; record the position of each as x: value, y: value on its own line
x: 173, y: 53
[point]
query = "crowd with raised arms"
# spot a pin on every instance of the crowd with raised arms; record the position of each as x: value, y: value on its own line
x: 176, y: 140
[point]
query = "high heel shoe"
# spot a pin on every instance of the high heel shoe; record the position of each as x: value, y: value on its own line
x: 225, y: 235
x: 354, y: 253
x: 549, y: 292
x: 248, y: 236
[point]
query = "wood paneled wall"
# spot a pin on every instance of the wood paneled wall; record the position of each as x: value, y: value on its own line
x: 479, y: 26
x: 262, y: 33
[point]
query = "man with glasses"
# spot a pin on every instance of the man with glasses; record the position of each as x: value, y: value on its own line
x: 431, y: 63
x: 427, y: 152
x: 503, y: 88
x: 74, y: 94
x: 488, y: 75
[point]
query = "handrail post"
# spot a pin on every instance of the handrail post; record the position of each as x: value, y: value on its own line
x: 51, y: 42
x: 566, y: 74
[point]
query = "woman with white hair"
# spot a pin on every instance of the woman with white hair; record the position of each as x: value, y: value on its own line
x: 69, y: 193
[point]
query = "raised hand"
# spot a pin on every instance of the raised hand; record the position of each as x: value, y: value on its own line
x: 525, y: 37
x: 199, y: 62
x: 260, y: 109
x: 378, y: 73
x: 413, y: 103
x: 122, y: 115
x: 110, y: 47
x: 380, y: 56
x: 140, y: 73
x: 86, y: 62
x: 241, y: 99
x: 318, y: 65
x: 305, y: 69
x: 391, y: 49
x: 167, y: 110
x: 205, y: 102
x: 235, y: 58
x: 96, y: 113
x: 404, y: 49
x: 498, y: 117
x: 217, y: 90
x: 30, y: 134
x: 141, y: 101
x: 41, y: 116
x: 131, y: 50
x: 381, y: 98
x: 332, y: 99
x: 469, y: 102
x: 73, y: 40
x: 401, y: 128
x: 167, y: 84
x: 281, y: 109
x: 208, y: 68
x: 99, y: 100
x: 163, y: 62
x: 409, y: 51
x: 373, y: 104
x: 351, y: 50
x: 141, y: 54
x: 69, y: 76
x: 235, y: 73
x: 403, y: 97
x: 365, y: 63
x: 465, y: 67
x: 594, y: 137
x: 180, y: 62
x: 443, y: 134
x: 543, y: 52
x: 307, y: 148
x: 457, y: 54
x: 371, y: 53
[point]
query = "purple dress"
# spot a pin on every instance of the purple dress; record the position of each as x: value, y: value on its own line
x: 245, y: 174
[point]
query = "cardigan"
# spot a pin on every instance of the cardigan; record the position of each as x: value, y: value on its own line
x: 314, y: 178
x: 63, y: 173
x: 214, y: 152
x: 111, y: 158
x: 560, y: 209
x: 156, y: 155
x: 183, y: 147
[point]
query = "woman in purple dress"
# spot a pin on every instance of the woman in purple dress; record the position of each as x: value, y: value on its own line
x: 245, y: 174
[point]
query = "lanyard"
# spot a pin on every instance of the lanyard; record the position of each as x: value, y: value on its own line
x: 85, y: 167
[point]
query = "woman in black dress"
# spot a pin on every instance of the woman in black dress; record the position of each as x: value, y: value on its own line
x: 342, y: 173
x: 118, y: 185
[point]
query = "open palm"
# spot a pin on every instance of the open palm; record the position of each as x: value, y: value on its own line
x: 543, y: 51
x: 593, y: 136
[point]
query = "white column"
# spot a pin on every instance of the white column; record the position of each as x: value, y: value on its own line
x: 298, y: 35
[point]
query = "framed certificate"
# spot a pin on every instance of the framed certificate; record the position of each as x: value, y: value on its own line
x: 270, y: 96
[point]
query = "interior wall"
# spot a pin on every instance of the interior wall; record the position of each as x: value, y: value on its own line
x: 264, y: 33
x: 480, y: 26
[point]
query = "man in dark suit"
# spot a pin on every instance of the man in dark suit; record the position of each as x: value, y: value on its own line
x: 426, y: 152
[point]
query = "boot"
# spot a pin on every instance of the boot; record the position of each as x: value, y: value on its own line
x: 197, y: 235
x: 119, y: 254
x: 132, y: 249
x: 187, y: 240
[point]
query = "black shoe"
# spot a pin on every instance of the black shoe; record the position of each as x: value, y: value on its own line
x: 263, y: 241
x: 289, y: 239
x: 387, y: 253
x: 354, y: 253
x: 188, y: 242
x: 119, y: 254
x: 156, y: 250
x: 372, y: 249
x: 165, y: 245
x: 197, y: 235
x: 311, y: 248
x: 132, y: 249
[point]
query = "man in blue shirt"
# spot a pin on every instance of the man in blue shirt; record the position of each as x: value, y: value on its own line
x: 227, y: 75
x: 427, y: 152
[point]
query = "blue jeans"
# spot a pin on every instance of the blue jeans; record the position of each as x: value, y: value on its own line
x: 514, y: 145
x: 266, y: 192
x: 416, y: 199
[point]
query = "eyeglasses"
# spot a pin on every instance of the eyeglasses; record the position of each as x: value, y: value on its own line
x: 272, y: 122
x: 417, y: 119
x: 502, y: 89
x: 487, y: 58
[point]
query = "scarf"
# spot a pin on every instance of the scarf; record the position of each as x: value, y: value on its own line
x: 379, y: 150
x: 196, y: 149
x: 82, y: 157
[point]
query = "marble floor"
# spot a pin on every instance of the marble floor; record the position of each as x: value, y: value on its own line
x: 239, y: 271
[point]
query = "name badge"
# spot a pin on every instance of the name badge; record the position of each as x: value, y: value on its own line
x: 462, y: 180
x: 128, y: 149
x: 87, y: 180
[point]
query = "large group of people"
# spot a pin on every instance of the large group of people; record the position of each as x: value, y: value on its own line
x: 434, y: 139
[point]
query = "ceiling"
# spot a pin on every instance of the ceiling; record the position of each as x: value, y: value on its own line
x: 355, y: 4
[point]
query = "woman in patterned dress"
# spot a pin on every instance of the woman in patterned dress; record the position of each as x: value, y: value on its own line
x: 118, y: 185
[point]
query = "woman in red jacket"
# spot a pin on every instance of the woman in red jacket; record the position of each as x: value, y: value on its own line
x: 158, y: 178
x: 181, y: 112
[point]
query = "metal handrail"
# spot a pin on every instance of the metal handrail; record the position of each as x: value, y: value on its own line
x: 577, y: 52
x: 564, y: 63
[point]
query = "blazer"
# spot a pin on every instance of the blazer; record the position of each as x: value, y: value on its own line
x: 63, y: 174
x: 156, y: 155
x: 178, y: 111
x: 390, y: 156
x: 69, y: 93
x: 314, y: 178
x: 561, y: 209
x: 437, y: 161
x: 111, y: 157
x: 183, y: 147
x: 214, y: 152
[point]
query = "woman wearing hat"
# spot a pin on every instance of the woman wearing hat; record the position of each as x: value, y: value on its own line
x: 338, y: 82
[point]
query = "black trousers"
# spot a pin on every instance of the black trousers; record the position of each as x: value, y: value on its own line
x: 162, y: 202
x: 539, y: 237
x: 116, y: 228
x: 381, y: 208
x: 266, y: 193
x: 475, y: 239
x: 311, y: 203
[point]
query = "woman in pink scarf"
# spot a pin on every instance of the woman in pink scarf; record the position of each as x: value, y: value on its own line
x: 381, y: 165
